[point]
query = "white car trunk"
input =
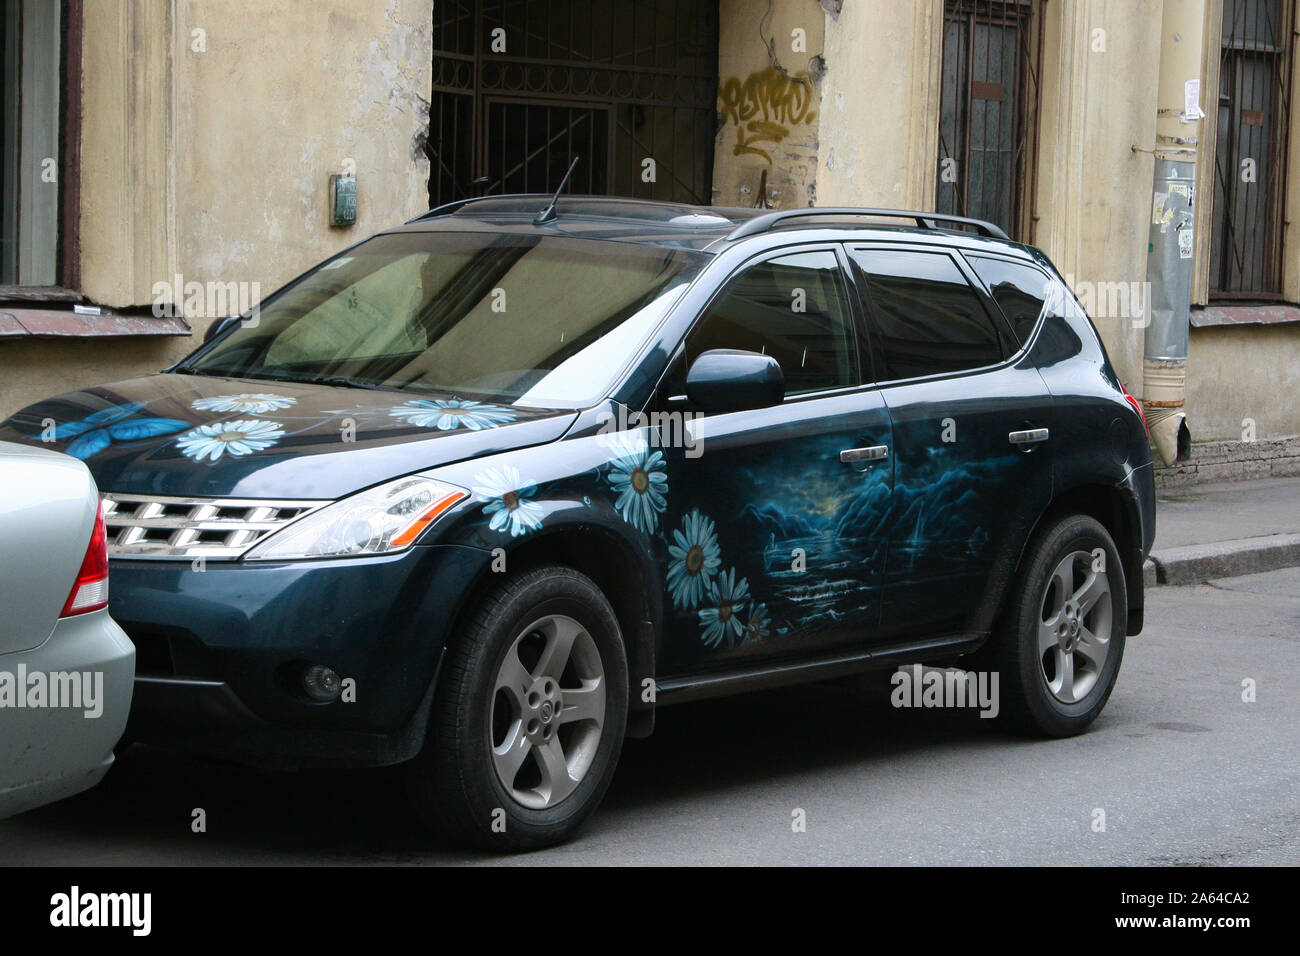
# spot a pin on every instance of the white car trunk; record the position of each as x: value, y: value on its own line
x: 48, y: 504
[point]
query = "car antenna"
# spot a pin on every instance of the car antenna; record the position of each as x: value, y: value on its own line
x: 548, y: 214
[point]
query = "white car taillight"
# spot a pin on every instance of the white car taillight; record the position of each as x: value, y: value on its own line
x: 90, y: 590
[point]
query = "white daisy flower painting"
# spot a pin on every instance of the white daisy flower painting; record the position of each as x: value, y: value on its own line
x: 248, y: 403
x: 509, y: 501
x: 720, y: 616
x: 449, y: 414
x: 243, y: 437
x: 640, y: 479
x: 759, y: 625
x: 694, y: 557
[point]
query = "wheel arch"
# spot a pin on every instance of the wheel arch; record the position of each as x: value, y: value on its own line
x: 1117, y: 513
x: 627, y: 577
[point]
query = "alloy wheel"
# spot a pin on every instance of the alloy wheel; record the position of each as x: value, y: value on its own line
x: 547, y: 711
x: 1074, y: 628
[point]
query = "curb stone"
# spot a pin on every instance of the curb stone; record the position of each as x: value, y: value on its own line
x: 1195, y: 563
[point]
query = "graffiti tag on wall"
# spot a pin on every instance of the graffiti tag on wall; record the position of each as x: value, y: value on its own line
x: 764, y: 106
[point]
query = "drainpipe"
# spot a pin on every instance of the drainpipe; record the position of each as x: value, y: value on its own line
x: 1169, y: 254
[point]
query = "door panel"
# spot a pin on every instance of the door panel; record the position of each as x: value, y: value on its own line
x: 804, y: 531
x: 972, y: 467
x: 959, y: 503
x: 793, y: 526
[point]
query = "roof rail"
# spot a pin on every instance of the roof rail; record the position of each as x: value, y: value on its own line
x: 924, y: 220
x: 446, y: 209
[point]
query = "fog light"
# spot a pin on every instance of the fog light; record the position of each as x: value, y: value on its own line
x: 321, y: 683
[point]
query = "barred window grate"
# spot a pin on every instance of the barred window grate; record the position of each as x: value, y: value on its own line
x: 987, y: 111
x: 1250, y: 149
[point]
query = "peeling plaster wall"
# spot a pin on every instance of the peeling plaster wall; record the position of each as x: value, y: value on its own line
x: 768, y: 101
x: 215, y: 164
x: 880, y: 105
x: 1236, y: 372
x: 1094, y: 191
x: 876, y: 136
x: 273, y: 107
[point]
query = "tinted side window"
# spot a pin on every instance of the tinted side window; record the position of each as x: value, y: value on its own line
x: 1019, y: 290
x: 793, y: 308
x: 925, y: 317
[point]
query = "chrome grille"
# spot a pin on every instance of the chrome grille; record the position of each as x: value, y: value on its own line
x: 152, y: 526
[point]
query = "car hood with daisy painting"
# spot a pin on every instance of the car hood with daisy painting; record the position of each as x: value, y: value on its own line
x: 405, y: 352
x: 198, y: 436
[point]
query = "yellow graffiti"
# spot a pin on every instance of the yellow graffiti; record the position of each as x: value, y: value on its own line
x: 764, y: 106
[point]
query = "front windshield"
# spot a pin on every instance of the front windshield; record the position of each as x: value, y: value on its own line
x: 540, y: 321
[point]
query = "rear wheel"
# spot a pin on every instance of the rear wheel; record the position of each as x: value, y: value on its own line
x: 529, y: 716
x: 1061, y: 640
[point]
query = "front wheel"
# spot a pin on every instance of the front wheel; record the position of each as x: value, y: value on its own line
x: 529, y: 716
x: 1061, y: 640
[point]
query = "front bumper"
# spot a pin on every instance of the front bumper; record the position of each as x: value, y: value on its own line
x: 51, y: 752
x: 222, y: 647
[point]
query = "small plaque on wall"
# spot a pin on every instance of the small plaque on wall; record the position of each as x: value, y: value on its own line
x: 343, y: 200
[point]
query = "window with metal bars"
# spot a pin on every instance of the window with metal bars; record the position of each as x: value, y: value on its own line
x: 614, y: 84
x: 987, y: 110
x: 31, y: 43
x: 1251, y: 149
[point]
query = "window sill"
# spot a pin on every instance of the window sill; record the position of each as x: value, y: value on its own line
x: 18, y: 322
x: 1259, y: 313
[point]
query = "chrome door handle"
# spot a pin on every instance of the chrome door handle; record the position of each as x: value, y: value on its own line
x: 1028, y: 436
x: 874, y: 453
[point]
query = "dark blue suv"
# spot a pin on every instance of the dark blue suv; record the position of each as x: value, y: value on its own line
x: 483, y: 491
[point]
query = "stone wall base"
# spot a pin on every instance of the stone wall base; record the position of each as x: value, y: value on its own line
x: 1234, y: 461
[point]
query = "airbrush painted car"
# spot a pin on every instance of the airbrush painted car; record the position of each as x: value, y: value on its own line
x: 483, y: 491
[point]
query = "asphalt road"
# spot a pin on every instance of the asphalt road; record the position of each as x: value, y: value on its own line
x: 1186, y: 772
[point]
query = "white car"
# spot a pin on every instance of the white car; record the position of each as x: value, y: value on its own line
x: 66, y: 669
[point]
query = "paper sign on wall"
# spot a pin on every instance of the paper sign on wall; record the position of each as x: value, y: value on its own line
x: 1192, y: 101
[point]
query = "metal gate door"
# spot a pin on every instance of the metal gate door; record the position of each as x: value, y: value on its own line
x: 522, y: 87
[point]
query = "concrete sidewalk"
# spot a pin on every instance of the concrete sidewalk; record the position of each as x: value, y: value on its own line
x: 1221, y: 530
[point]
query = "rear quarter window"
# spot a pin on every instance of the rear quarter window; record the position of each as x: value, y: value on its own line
x: 1020, y: 291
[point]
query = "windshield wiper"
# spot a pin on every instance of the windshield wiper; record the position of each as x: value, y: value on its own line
x: 340, y: 382
x: 192, y: 370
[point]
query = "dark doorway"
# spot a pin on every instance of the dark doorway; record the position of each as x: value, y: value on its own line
x: 522, y: 87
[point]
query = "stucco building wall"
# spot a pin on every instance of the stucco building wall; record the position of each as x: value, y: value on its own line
x: 873, y: 142
x: 769, y: 102
x: 209, y: 133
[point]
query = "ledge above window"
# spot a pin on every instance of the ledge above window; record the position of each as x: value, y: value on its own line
x: 1254, y: 313
x: 63, y: 320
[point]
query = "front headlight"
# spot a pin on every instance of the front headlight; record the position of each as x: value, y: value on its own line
x: 379, y: 520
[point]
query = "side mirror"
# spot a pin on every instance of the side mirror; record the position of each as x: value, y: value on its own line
x: 219, y: 327
x: 730, y: 380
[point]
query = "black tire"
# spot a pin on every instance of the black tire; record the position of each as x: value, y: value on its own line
x: 454, y: 780
x: 1028, y: 703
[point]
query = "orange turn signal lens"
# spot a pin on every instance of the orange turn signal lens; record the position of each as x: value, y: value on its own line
x: 424, y: 519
